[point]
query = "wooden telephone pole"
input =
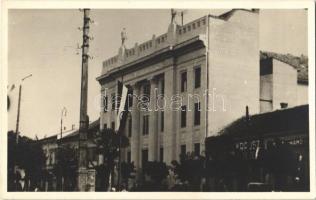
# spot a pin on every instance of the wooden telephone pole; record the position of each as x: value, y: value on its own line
x: 84, y: 175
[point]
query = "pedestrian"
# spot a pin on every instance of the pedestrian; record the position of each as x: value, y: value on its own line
x: 171, y: 179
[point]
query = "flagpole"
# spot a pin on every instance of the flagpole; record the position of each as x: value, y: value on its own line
x: 120, y: 140
x: 120, y: 119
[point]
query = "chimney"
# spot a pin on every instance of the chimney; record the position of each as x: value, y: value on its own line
x: 247, y: 113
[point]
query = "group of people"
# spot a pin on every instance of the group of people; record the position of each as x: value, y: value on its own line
x: 274, y: 166
x: 18, y: 181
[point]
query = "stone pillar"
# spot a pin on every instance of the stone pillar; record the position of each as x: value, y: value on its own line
x: 170, y: 117
x: 153, y: 122
x: 160, y: 107
x: 135, y: 139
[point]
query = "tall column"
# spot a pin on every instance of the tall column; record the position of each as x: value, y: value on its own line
x: 153, y: 122
x: 85, y: 176
x: 135, y: 139
x: 170, y: 117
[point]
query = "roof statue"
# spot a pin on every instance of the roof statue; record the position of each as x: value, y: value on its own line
x: 123, y: 36
x: 173, y: 15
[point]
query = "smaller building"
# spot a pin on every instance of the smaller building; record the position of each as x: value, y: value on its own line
x: 49, y: 146
x: 61, y: 158
x: 270, y: 148
x: 283, y: 81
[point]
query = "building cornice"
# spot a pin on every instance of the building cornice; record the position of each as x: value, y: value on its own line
x: 167, y: 52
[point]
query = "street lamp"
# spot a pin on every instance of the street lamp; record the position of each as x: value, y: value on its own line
x: 19, y: 106
x: 63, y: 114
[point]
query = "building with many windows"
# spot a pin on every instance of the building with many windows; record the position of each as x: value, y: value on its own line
x: 191, y: 81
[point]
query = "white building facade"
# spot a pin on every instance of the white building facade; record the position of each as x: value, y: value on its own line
x: 199, y: 77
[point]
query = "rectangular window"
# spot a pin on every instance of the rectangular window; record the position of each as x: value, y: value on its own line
x: 130, y: 100
x: 162, y: 87
x: 197, y: 114
x: 113, y: 98
x: 197, y: 149
x: 161, y: 154
x: 183, y: 116
x: 183, y: 81
x: 197, y: 77
x: 145, y: 97
x: 129, y: 157
x: 146, y: 90
x: 118, y: 102
x: 113, y: 125
x: 144, y: 156
x: 162, y: 121
x: 183, y: 149
x: 105, y: 103
x: 145, y: 124
x: 129, y: 127
x: 105, y: 126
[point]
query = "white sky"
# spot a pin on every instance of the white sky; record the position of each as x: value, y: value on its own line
x: 43, y: 42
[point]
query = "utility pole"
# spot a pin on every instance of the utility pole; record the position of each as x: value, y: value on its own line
x: 63, y: 113
x: 19, y: 107
x: 83, y: 173
x: 182, y: 18
x: 18, y: 116
x: 18, y: 124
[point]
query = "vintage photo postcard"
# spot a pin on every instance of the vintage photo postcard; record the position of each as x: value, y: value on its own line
x: 139, y: 100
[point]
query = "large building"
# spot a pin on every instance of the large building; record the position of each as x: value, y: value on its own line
x: 207, y: 71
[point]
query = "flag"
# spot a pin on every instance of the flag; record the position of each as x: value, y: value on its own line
x: 121, y: 115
